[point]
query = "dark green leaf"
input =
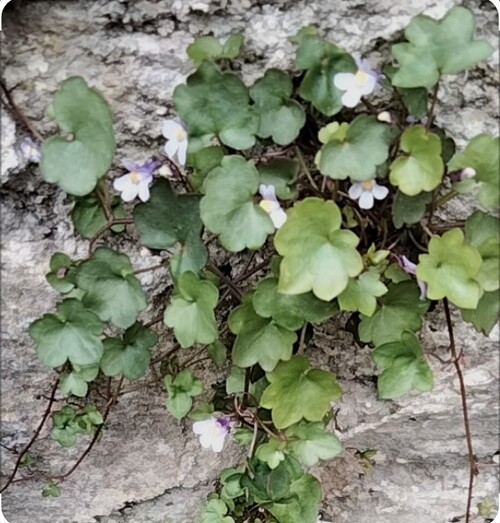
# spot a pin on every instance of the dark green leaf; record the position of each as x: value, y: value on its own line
x: 409, y: 209
x: 281, y: 173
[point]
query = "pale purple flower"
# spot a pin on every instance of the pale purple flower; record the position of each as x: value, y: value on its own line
x: 462, y: 174
x: 212, y: 432
x: 271, y: 205
x: 177, y: 140
x: 410, y: 268
x: 30, y: 150
x: 137, y: 181
x: 357, y: 84
x: 366, y: 192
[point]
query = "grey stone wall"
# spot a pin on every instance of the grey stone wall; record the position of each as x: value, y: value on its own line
x: 149, y: 467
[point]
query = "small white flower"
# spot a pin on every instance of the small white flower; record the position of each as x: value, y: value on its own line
x: 271, y: 205
x: 137, y: 181
x: 30, y: 150
x: 366, y: 192
x: 357, y: 84
x: 468, y: 172
x: 177, y: 140
x: 212, y: 432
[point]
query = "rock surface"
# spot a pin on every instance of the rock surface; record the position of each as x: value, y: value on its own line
x: 149, y: 468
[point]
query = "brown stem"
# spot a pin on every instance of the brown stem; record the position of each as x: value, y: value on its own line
x: 35, y: 434
x: 234, y: 290
x: 111, y: 223
x: 463, y: 394
x: 252, y: 271
x: 147, y: 269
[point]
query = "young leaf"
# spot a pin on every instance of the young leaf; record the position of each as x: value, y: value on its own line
x: 404, y: 367
x: 365, y: 145
x: 280, y: 117
x: 62, y: 273
x: 191, y: 312
x: 71, y: 333
x: 271, y: 452
x: 421, y: 167
x: 407, y: 210
x: 218, y: 353
x: 112, y: 290
x: 482, y: 155
x: 361, y: 293
x: 439, y: 47
x: 168, y: 218
x: 75, y: 382
x: 131, y: 355
x: 215, y: 512
x: 317, y: 255
x: 215, y: 103
x: 281, y: 173
x: 51, y: 489
x: 485, y: 316
x: 258, y: 340
x: 289, y: 311
x: 451, y: 269
x: 310, y: 442
x: 77, y: 162
x: 322, y: 60
x: 297, y: 391
x: 209, y: 48
x: 400, y: 310
x: 181, y: 390
x: 227, y: 209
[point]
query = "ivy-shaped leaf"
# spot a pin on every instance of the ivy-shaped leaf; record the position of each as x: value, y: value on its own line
x: 131, y: 355
x: 167, y: 219
x: 112, y: 290
x: 290, y: 311
x: 62, y: 275
x: 482, y: 155
x: 271, y: 452
x: 77, y: 161
x: 414, y: 99
x: 280, y: 117
x: 322, y: 60
x: 215, y: 103
x: 407, y: 210
x: 439, y: 47
x: 73, y: 333
x: 404, y: 367
x: 215, y: 512
x: 450, y: 270
x: 259, y: 340
x: 76, y: 381
x: 317, y: 254
x: 88, y: 216
x: 209, y: 48
x: 282, y: 174
x: 227, y: 209
x: 421, y: 167
x: 181, y: 391
x: 400, y: 310
x: 191, y: 311
x: 361, y: 293
x: 297, y: 391
x: 310, y: 442
x: 485, y: 316
x: 364, y: 146
x: 203, y: 161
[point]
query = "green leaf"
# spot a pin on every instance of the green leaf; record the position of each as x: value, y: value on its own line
x: 485, y: 316
x: 217, y: 103
x: 310, y: 442
x: 280, y: 117
x: 421, y: 167
x: 400, y: 310
x: 215, y: 512
x: 62, y: 273
x: 297, y: 391
x: 131, y: 355
x: 289, y: 311
x: 75, y: 382
x: 209, y: 48
x: 76, y: 164
x: 407, y: 210
x: 304, y: 504
x: 71, y: 333
x: 414, y: 99
x: 203, y: 161
x: 366, y: 145
x: 307, y: 30
x: 167, y: 219
x: 450, y: 270
x: 191, y: 311
x: 227, y: 209
x: 218, y: 353
x: 322, y: 60
x: 483, y: 232
x: 181, y: 390
x: 482, y: 155
x: 112, y: 290
x: 258, y: 340
x: 271, y: 453
x: 51, y: 489
x: 88, y: 216
x: 282, y: 174
x: 404, y: 367
x: 317, y: 255
x: 439, y: 47
x: 361, y: 293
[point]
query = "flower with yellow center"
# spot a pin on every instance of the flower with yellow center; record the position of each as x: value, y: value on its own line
x: 177, y: 140
x: 137, y: 181
x: 271, y: 205
x: 367, y: 192
x: 357, y: 84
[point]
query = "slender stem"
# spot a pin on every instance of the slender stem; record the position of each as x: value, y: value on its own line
x: 445, y: 198
x: 102, y: 196
x: 111, y: 223
x: 307, y: 172
x: 35, y: 434
x: 254, y: 439
x: 153, y: 268
x: 234, y: 290
x: 302, y: 339
x: 252, y: 271
x: 169, y: 353
x: 430, y: 114
x: 463, y: 394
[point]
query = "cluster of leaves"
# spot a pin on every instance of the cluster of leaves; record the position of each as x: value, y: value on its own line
x: 330, y: 257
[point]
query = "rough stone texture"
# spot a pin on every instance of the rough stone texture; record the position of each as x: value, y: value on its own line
x: 148, y: 467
